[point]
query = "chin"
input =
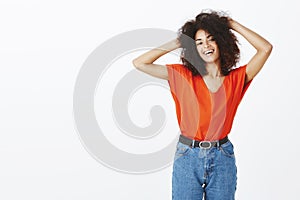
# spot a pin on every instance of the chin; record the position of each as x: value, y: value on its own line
x: 210, y: 61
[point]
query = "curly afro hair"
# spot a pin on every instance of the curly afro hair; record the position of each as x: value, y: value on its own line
x: 216, y: 24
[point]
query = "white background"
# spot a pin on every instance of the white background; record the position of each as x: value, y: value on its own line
x: 42, y: 47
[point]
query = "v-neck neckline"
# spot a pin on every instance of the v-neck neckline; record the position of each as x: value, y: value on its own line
x: 206, y: 87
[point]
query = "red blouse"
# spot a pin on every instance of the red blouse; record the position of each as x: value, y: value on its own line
x: 202, y: 114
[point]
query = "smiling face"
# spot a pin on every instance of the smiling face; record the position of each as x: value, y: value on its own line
x: 207, y: 47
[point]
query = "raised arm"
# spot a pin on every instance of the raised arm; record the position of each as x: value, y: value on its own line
x: 262, y: 46
x: 145, y: 62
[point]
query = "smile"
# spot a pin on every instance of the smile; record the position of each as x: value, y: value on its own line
x: 208, y: 52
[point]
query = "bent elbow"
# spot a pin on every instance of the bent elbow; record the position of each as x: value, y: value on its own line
x: 268, y: 48
x: 136, y: 63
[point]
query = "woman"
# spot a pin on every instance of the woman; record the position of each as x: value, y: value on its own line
x: 207, y: 89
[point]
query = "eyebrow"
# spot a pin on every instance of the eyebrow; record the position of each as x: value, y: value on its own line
x: 206, y: 37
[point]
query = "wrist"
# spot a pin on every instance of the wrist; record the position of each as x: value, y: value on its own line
x: 171, y: 45
x: 234, y: 25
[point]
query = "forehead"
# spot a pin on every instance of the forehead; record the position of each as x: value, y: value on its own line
x: 202, y: 34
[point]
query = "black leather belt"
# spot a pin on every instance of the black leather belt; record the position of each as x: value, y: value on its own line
x: 202, y: 144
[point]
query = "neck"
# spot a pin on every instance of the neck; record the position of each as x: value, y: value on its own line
x: 213, y: 70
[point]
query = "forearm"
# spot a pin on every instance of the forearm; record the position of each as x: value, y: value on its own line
x: 257, y: 41
x: 262, y: 46
x: 152, y: 55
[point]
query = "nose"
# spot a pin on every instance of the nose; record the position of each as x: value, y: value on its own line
x: 205, y: 44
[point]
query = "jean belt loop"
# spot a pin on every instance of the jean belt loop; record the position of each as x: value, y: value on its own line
x: 193, y: 144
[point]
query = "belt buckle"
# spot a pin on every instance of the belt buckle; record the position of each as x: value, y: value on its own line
x: 205, y: 145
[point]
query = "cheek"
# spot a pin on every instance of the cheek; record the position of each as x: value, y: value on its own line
x: 216, y: 48
x: 217, y: 52
x: 199, y: 49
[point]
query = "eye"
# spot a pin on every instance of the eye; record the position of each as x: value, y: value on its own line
x: 211, y: 39
x: 199, y: 43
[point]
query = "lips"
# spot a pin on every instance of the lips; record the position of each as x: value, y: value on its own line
x: 209, y: 52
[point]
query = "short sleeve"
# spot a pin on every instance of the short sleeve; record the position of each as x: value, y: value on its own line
x: 182, y: 89
x: 177, y: 75
x: 239, y: 80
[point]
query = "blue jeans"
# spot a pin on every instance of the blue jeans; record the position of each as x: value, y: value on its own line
x: 204, y: 173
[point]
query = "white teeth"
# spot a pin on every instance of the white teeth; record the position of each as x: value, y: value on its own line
x: 208, y: 52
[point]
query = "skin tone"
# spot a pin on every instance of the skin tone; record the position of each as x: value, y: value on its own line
x: 209, y: 52
x: 213, y: 79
